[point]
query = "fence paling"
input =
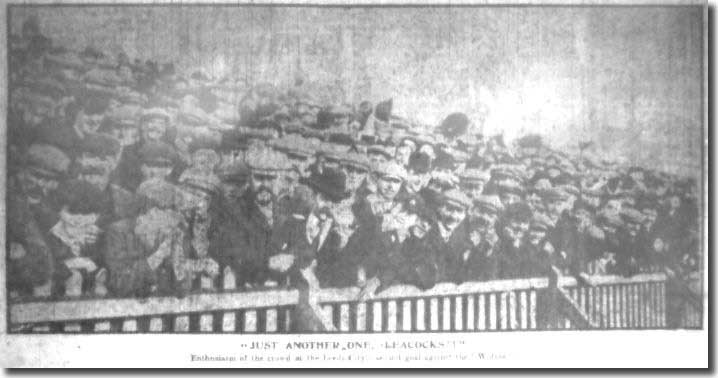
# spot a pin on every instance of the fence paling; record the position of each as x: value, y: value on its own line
x: 611, y: 302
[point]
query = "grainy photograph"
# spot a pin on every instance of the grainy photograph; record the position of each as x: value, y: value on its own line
x: 316, y: 169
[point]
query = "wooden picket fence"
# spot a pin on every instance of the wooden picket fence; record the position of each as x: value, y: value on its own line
x: 553, y: 303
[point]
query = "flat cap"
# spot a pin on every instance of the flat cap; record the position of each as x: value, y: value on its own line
x: 489, y: 203
x: 541, y: 222
x: 390, y: 169
x: 158, y: 192
x: 203, y: 181
x: 381, y: 150
x: 267, y: 160
x: 155, y: 113
x: 631, y: 215
x: 553, y: 194
x: 356, y: 160
x: 236, y: 171
x: 474, y: 174
x: 456, y: 197
x: 47, y: 160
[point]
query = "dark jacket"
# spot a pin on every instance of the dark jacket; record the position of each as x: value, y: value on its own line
x: 427, y: 261
x: 244, y: 240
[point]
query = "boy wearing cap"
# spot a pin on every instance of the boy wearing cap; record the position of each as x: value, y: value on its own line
x: 481, y: 264
x: 381, y: 225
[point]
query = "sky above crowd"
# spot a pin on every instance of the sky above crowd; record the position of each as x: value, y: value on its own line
x: 629, y: 79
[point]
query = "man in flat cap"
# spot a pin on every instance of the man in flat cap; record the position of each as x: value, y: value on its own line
x: 382, y: 225
x: 33, y: 210
x: 537, y: 255
x: 445, y: 248
x: 512, y: 229
x: 245, y: 246
x: 482, y: 262
x: 97, y: 158
x: 473, y: 181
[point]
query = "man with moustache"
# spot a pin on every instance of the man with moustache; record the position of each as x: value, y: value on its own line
x: 246, y: 244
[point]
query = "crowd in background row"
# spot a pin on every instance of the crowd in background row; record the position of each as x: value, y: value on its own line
x: 131, y: 179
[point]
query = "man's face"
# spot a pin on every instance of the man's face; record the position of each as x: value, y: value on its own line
x: 90, y: 122
x: 125, y: 135
x: 451, y: 214
x: 154, y: 129
x: 34, y: 113
x: 264, y: 187
x: 37, y: 187
x: 388, y: 186
x: 229, y: 157
x: 637, y: 175
x: 675, y: 202
x: 651, y: 216
x: 402, y: 154
x: 508, y: 198
x: 376, y: 159
x: 612, y: 208
x: 482, y: 220
x: 96, y: 170
x: 80, y: 226
x: 584, y: 219
x: 536, y: 236
x: 515, y: 231
x: 233, y: 190
x: 150, y: 171
x: 195, y: 203
x: 473, y: 188
x: 355, y: 177
x: 633, y: 229
x: 416, y: 181
x: 593, y: 201
x: 535, y: 202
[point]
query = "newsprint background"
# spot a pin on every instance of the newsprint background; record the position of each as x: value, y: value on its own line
x: 562, y: 149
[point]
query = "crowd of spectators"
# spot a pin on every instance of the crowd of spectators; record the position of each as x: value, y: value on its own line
x: 131, y: 179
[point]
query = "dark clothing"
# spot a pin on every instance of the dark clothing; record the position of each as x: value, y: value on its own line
x: 481, y: 264
x: 427, y: 261
x: 244, y: 240
x: 128, y: 173
x: 129, y: 274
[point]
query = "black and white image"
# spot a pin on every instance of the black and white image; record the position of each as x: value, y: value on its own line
x: 363, y: 169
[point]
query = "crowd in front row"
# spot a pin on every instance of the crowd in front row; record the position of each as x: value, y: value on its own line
x: 130, y: 180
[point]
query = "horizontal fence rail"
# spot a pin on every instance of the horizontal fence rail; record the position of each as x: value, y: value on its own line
x: 605, y: 302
